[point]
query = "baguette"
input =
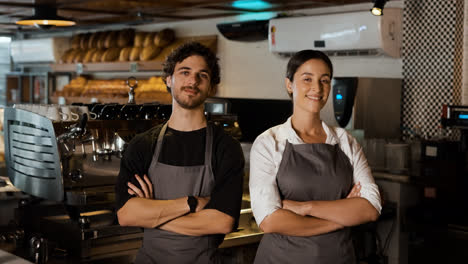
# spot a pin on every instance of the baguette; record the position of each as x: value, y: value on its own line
x: 164, y: 38
x: 125, y: 38
x: 89, y: 55
x: 102, y: 39
x: 79, y: 56
x: 98, y: 55
x: 93, y: 40
x: 65, y: 55
x: 125, y: 54
x: 84, y: 41
x: 135, y: 53
x: 149, y: 39
x: 110, y: 54
x: 111, y: 39
x: 71, y: 56
x: 149, y: 52
x: 75, y: 42
x: 139, y: 39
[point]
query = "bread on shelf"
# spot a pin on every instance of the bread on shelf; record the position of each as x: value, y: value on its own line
x: 164, y: 38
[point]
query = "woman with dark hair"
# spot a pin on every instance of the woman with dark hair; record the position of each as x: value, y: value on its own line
x: 309, y: 182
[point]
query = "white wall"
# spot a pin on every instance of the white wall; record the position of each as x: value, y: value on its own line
x: 249, y: 70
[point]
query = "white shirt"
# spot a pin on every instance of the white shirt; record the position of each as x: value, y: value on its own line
x: 265, y: 158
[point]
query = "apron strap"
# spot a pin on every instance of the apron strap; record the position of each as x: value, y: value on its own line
x: 208, y: 143
x: 160, y: 142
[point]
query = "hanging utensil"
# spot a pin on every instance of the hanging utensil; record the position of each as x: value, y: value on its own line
x: 132, y: 84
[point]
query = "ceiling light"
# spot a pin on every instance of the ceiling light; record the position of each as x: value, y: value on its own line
x: 377, y: 10
x: 254, y: 5
x: 45, y: 16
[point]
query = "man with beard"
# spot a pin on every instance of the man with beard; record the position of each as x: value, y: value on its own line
x: 182, y: 180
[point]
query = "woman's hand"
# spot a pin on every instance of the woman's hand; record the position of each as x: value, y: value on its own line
x: 355, y: 191
x: 146, y: 190
x: 299, y: 208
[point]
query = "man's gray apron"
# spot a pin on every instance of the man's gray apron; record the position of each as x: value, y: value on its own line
x: 311, y: 172
x: 171, y: 182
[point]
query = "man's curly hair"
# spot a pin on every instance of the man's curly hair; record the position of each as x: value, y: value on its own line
x: 186, y: 50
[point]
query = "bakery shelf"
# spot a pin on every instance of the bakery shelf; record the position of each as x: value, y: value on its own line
x: 132, y: 66
x: 164, y: 98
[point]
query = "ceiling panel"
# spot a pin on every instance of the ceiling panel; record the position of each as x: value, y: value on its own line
x: 89, y: 12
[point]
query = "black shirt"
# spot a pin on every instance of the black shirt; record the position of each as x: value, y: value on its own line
x: 187, y: 149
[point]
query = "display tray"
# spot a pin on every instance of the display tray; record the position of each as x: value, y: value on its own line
x: 160, y: 97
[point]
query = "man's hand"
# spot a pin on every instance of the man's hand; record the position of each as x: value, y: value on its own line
x: 146, y: 190
x: 355, y: 191
x: 202, y: 201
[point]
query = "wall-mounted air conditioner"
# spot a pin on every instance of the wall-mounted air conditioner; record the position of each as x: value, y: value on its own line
x: 38, y: 50
x: 353, y: 33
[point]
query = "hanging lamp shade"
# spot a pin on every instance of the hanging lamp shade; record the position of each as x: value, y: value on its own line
x: 377, y: 10
x: 45, y: 16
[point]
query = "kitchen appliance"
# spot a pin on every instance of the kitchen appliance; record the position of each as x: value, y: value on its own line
x: 72, y: 181
x: 370, y: 104
x: 352, y: 33
x: 70, y: 169
x: 343, y: 93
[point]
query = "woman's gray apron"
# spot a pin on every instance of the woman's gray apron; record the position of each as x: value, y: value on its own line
x: 171, y: 182
x: 311, y: 172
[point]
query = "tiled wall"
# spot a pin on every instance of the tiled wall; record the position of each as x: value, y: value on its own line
x: 432, y: 61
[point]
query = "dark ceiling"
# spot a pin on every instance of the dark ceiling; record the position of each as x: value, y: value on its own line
x: 91, y: 13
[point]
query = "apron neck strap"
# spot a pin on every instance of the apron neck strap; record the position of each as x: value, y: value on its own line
x: 160, y: 141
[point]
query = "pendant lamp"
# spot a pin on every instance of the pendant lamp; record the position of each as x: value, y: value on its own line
x: 45, y: 16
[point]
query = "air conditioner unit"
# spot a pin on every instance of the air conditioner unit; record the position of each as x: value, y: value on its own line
x: 353, y: 33
x: 38, y: 50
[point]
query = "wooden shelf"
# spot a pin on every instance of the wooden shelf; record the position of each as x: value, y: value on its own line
x: 134, y: 66
x: 163, y: 98
x: 127, y: 66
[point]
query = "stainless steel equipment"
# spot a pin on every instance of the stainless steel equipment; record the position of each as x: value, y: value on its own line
x: 376, y: 107
x: 72, y: 167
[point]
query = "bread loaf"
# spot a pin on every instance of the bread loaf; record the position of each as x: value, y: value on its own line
x: 79, y: 56
x: 164, y: 38
x: 93, y: 40
x: 111, y: 39
x: 110, y: 54
x: 139, y: 39
x: 125, y: 38
x: 75, y: 42
x: 65, y: 55
x: 125, y: 54
x: 102, y: 39
x: 135, y: 53
x: 84, y: 41
x: 89, y: 55
x: 149, y: 39
x: 98, y: 55
x: 149, y: 52
x: 71, y: 56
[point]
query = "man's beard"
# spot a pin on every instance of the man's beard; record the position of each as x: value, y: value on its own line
x: 190, y: 103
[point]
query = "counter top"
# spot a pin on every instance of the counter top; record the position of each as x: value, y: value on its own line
x: 9, y: 191
x: 7, y: 258
x: 402, y: 178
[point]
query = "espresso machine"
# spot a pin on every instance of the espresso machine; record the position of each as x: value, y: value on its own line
x: 69, y: 169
